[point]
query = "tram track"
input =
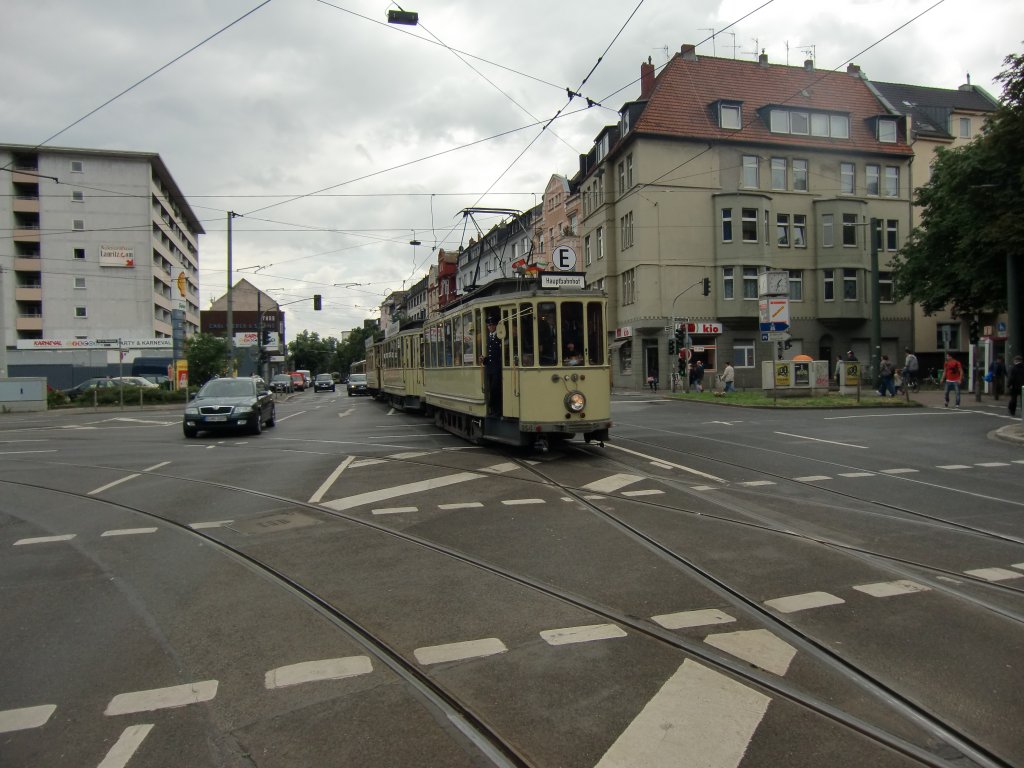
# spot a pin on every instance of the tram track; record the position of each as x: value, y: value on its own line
x: 478, y: 731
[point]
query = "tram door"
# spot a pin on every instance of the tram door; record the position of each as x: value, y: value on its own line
x: 510, y: 363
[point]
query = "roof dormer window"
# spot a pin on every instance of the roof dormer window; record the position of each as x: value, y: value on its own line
x: 887, y: 130
x: 730, y: 116
x: 800, y: 122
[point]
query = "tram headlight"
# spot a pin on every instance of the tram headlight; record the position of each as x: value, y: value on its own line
x: 575, y: 402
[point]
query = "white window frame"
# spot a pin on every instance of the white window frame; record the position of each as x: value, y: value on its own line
x: 850, y: 223
x: 885, y: 288
x: 727, y: 231
x: 586, y: 251
x: 892, y: 234
x: 745, y: 219
x: 782, y: 230
x: 75, y: 254
x: 847, y: 179
x: 629, y: 286
x: 629, y: 170
x: 799, y: 228
x: 78, y: 224
x: 599, y: 242
x: 796, y: 285
x: 887, y: 130
x: 828, y: 230
x: 728, y: 283
x: 839, y: 126
x: 77, y: 166
x: 872, y: 179
x: 800, y: 175
x: 850, y: 278
x: 778, y: 173
x: 892, y: 181
x: 79, y: 283
x: 77, y: 196
x: 799, y: 123
x: 751, y: 172
x: 965, y: 127
x: 743, y: 353
x: 730, y: 117
x: 81, y: 313
x: 627, y: 230
x: 828, y: 285
x: 750, y: 283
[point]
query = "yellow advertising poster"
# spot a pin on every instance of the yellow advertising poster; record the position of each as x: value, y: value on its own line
x: 783, y: 374
x: 181, y: 374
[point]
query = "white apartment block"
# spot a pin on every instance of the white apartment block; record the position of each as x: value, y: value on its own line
x: 96, y: 245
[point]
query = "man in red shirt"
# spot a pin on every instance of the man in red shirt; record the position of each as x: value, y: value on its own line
x: 953, y: 375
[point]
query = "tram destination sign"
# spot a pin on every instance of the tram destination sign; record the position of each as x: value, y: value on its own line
x: 563, y: 280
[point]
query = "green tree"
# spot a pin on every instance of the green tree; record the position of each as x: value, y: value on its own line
x: 207, y: 356
x: 309, y: 352
x: 970, y: 215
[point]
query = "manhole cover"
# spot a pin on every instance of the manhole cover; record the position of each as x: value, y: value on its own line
x: 280, y: 521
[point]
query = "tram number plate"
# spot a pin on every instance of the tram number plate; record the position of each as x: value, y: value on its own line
x: 216, y: 418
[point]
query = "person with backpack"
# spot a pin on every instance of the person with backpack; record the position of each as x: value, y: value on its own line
x: 885, y: 373
x: 910, y: 368
x: 953, y: 376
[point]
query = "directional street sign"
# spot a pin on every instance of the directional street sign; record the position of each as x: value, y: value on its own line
x: 775, y: 336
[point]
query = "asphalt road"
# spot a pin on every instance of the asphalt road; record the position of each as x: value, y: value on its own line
x: 714, y: 587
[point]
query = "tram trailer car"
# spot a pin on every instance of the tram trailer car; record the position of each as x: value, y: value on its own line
x: 400, y: 359
x: 554, y: 380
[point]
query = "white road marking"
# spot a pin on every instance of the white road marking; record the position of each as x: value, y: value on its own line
x: 500, y: 469
x: 1018, y: 565
x: 611, y: 483
x: 155, y: 467
x: 144, y: 421
x: 103, y: 488
x: 756, y: 483
x: 586, y: 634
x: 394, y: 510
x: 45, y: 539
x: 289, y: 416
x: 1018, y: 461
x: 953, y: 466
x: 819, y: 440
x: 314, y: 671
x: 127, y: 532
x: 461, y: 505
x: 811, y: 478
x: 661, y: 465
x: 383, y: 494
x: 648, y: 492
x: 211, y: 524
x: 898, y: 471
x: 409, y: 455
x: 699, y: 717
x: 124, y: 749
x: 162, y: 698
x: 891, y: 588
x: 19, y: 453
x: 470, y: 649
x: 794, y: 603
x: 992, y: 464
x: 705, y: 488
x: 758, y: 646
x: 593, y: 497
x: 668, y: 464
x: 330, y: 480
x: 391, y: 412
x: 856, y: 474
x: 366, y: 463
x: 700, y: 618
x: 994, y: 574
x: 25, y: 718
x: 343, y: 414
x: 520, y: 502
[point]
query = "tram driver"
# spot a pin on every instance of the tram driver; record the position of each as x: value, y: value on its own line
x: 571, y: 355
x: 492, y: 368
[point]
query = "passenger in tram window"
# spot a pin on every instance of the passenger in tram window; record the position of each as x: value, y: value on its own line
x: 492, y: 368
x: 547, y: 338
x: 571, y: 355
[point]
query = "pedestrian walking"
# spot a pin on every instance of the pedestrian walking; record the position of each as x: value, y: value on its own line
x: 729, y: 378
x: 652, y: 382
x: 997, y: 375
x: 839, y: 371
x: 910, y: 368
x: 885, y: 373
x: 697, y: 376
x: 953, y: 376
x: 1014, y: 383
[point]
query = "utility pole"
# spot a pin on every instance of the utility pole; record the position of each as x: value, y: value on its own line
x: 230, y: 318
x: 876, y: 300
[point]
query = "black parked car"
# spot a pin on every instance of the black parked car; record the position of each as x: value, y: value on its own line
x: 230, y: 404
x: 324, y: 382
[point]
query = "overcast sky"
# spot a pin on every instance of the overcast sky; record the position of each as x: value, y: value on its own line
x: 394, y: 131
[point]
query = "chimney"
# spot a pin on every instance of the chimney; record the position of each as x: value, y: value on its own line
x: 853, y: 69
x: 763, y: 59
x: 646, y: 79
x: 689, y: 51
x: 808, y: 65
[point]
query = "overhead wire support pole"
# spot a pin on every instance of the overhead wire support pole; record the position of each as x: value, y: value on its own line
x: 230, y: 329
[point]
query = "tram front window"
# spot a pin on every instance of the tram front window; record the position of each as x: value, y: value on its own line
x: 572, y: 333
x: 547, y: 335
x: 595, y: 333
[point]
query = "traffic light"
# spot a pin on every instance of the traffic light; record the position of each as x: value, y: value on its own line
x: 266, y: 337
x: 409, y: 18
x: 974, y: 332
x: 671, y: 346
x: 317, y: 302
x: 707, y: 286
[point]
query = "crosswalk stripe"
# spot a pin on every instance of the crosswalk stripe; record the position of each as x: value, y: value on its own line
x: 611, y: 483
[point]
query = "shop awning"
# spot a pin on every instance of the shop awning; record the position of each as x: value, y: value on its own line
x: 618, y: 343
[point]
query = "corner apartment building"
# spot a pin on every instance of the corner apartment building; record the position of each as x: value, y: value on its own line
x: 95, y: 243
x: 725, y: 168
x: 947, y: 118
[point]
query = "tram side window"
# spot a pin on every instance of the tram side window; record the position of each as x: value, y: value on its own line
x: 506, y: 343
x: 526, y: 334
x: 447, y: 362
x: 457, y: 340
x: 547, y: 336
x: 428, y: 344
x: 595, y: 333
x: 468, y: 358
x: 572, y: 333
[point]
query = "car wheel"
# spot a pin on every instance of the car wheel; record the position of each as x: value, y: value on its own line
x: 257, y: 424
x: 350, y: 394
x: 190, y: 432
x: 273, y: 417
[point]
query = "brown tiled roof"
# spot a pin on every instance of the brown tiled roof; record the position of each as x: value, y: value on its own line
x: 686, y: 91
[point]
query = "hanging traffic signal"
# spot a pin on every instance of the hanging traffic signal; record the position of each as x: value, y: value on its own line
x: 317, y: 302
x: 266, y: 337
x: 707, y: 286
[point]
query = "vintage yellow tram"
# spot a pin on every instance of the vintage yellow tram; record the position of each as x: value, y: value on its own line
x: 399, y: 359
x: 551, y: 379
